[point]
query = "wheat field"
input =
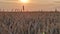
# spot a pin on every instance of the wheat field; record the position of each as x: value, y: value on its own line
x: 29, y: 22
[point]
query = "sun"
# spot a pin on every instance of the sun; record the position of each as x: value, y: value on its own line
x: 24, y: 1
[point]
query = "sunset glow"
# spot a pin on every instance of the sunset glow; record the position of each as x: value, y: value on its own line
x: 24, y: 1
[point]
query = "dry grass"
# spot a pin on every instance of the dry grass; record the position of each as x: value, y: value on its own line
x: 29, y: 22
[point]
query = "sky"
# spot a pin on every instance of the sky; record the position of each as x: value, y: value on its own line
x: 33, y: 5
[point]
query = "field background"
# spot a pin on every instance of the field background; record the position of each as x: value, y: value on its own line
x: 29, y: 22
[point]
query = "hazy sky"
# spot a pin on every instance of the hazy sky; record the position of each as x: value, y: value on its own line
x: 32, y: 5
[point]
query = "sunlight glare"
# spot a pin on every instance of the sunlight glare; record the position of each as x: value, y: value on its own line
x: 24, y: 1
